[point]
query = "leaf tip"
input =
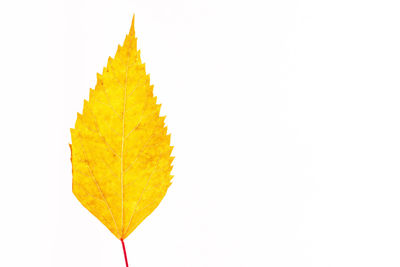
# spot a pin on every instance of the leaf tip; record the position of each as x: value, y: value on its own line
x: 132, y: 29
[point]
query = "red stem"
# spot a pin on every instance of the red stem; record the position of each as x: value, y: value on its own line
x: 123, y: 247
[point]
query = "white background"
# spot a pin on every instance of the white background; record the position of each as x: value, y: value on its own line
x: 285, y: 118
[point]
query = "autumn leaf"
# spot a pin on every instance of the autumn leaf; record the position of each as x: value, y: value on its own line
x: 121, y: 153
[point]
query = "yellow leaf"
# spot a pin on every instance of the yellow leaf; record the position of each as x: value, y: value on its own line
x: 120, y: 148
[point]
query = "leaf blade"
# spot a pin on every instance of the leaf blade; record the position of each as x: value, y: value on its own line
x: 121, y: 153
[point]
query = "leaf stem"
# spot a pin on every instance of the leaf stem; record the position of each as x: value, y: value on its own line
x: 123, y: 247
